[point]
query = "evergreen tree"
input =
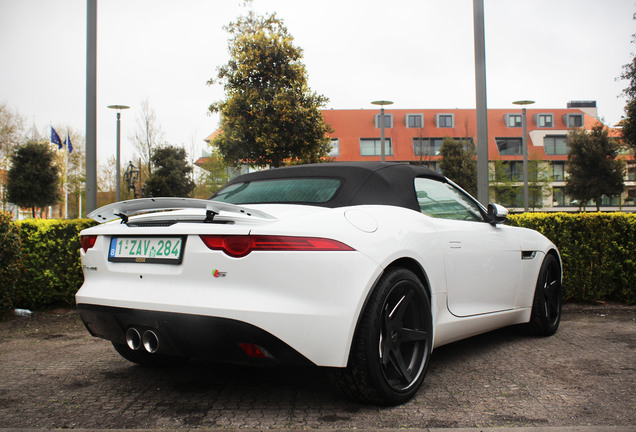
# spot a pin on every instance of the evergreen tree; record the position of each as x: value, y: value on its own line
x: 628, y: 130
x: 629, y: 122
x: 171, y: 174
x: 33, y: 177
x: 459, y: 164
x: 269, y: 115
x: 593, y: 170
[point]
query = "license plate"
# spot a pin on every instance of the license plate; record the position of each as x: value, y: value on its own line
x: 164, y: 250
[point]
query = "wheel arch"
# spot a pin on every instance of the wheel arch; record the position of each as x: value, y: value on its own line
x: 415, y: 267
x: 406, y: 263
x: 557, y: 255
x: 357, y: 362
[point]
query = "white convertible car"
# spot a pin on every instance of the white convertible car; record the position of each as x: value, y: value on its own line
x: 360, y: 267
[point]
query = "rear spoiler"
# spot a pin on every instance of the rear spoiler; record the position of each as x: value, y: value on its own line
x: 125, y: 209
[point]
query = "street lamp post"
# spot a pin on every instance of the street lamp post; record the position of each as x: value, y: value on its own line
x: 524, y: 149
x: 382, y: 103
x: 118, y: 167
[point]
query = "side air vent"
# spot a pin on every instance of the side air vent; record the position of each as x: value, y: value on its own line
x: 528, y: 255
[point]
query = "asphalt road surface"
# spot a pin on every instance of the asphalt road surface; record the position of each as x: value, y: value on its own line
x: 53, y: 374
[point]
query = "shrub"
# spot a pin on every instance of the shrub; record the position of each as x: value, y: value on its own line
x: 598, y: 252
x: 597, y: 249
x: 10, y: 261
x: 52, y: 268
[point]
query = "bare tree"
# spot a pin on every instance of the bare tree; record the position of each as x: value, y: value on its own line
x: 193, y: 150
x: 148, y: 136
x: 11, y: 135
x: 106, y: 175
x: 11, y: 130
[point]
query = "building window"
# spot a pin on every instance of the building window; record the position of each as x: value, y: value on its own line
x: 513, y: 170
x: 427, y: 146
x: 445, y: 120
x: 513, y: 120
x: 545, y: 120
x: 432, y: 146
x: 610, y: 201
x: 509, y: 146
x: 631, y: 196
x: 469, y: 144
x: 555, y: 144
x: 372, y: 147
x: 556, y: 171
x: 630, y: 172
x: 388, y: 120
x: 558, y: 197
x: 433, y: 166
x: 335, y: 148
x: 414, y: 120
x: 573, y: 120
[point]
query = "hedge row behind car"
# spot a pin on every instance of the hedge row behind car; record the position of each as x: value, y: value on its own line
x: 598, y: 252
x: 10, y: 261
x: 40, y: 266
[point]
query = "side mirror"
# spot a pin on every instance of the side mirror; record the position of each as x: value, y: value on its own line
x: 497, y: 214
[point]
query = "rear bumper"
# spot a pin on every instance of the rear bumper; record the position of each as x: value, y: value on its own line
x: 186, y: 335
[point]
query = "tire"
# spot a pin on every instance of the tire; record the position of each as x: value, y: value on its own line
x: 392, y: 345
x: 547, y: 303
x: 144, y: 358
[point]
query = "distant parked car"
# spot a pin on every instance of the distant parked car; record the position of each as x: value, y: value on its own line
x: 361, y: 267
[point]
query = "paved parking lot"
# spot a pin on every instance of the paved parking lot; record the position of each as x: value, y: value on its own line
x: 54, y: 375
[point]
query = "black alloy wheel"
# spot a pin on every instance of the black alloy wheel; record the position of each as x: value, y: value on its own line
x: 547, y: 304
x: 392, y: 346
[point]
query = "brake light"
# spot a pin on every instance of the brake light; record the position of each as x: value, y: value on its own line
x: 240, y: 245
x: 87, y: 241
x: 254, y: 351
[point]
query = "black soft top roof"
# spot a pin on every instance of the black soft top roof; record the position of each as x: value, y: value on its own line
x: 383, y: 183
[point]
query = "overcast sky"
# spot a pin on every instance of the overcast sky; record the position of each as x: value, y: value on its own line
x: 417, y: 53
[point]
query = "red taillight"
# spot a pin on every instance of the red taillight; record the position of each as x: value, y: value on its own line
x: 240, y: 245
x: 87, y: 241
x: 254, y: 351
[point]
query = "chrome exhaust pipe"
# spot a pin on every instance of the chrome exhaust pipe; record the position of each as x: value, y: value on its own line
x: 133, y: 339
x: 150, y: 341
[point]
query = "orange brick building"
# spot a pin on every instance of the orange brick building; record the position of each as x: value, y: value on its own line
x: 416, y: 135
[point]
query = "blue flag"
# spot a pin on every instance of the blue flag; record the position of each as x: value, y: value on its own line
x: 68, y: 144
x: 55, y: 139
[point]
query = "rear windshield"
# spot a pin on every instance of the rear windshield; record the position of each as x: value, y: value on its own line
x: 295, y: 190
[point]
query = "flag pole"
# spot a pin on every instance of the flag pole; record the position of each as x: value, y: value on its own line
x: 66, y: 179
x: 80, y: 189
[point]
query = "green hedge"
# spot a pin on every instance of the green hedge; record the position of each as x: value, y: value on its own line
x: 40, y: 265
x: 10, y: 261
x: 598, y: 252
x: 52, y: 270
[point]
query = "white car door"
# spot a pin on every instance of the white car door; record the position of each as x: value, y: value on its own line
x: 482, y: 262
